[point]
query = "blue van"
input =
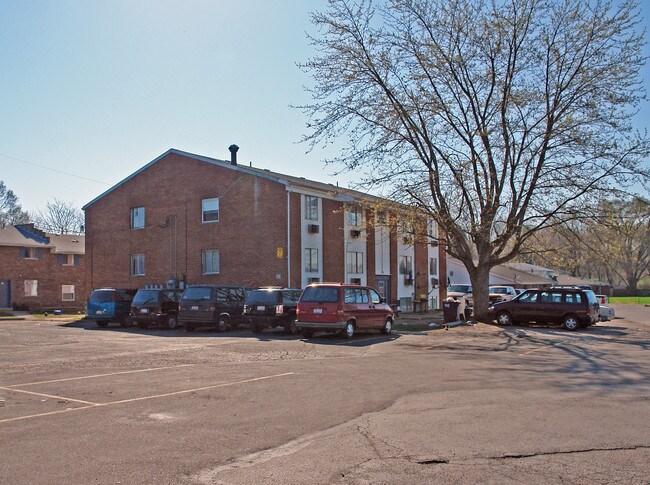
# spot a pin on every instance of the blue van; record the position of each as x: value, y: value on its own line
x: 107, y: 305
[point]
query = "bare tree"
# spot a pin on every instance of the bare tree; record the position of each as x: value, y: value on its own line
x: 497, y: 119
x: 60, y: 217
x: 10, y: 210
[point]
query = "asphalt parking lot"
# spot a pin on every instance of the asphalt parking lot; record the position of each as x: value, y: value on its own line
x: 80, y: 404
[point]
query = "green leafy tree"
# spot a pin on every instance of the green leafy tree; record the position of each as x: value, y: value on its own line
x: 496, y: 119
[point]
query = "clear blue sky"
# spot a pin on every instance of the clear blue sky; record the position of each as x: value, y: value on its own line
x: 98, y: 88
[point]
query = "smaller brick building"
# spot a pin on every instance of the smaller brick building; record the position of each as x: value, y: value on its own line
x: 41, y: 271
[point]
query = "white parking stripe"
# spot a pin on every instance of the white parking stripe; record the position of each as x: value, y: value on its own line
x: 51, y: 396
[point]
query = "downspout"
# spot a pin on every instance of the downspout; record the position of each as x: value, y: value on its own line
x: 288, y: 237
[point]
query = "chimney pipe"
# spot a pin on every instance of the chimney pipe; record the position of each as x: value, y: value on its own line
x: 233, y: 154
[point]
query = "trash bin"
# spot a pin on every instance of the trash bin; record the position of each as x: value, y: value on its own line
x: 450, y: 311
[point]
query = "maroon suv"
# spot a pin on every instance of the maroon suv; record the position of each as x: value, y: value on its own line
x: 343, y: 308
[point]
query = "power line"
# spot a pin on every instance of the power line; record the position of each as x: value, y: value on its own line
x: 54, y: 169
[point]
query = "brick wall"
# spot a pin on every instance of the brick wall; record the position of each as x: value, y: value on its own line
x: 333, y: 241
x: 50, y: 276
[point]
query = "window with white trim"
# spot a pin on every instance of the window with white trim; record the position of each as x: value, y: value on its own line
x: 354, y: 216
x: 433, y: 266
x: 210, y: 261
x: 31, y: 287
x: 311, y: 260
x: 67, y: 293
x: 137, y: 265
x: 210, y: 210
x: 137, y: 217
x: 406, y: 265
x: 355, y: 262
x: 311, y: 208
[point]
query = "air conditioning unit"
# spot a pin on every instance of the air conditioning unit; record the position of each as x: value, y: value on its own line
x: 355, y: 281
x: 434, y: 243
x: 355, y: 233
x: 408, y: 280
x: 313, y: 229
x: 434, y: 281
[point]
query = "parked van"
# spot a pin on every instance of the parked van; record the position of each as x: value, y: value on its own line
x: 217, y: 306
x: 343, y: 308
x: 156, y: 307
x: 107, y: 305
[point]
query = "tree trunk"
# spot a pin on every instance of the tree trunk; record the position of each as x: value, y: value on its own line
x: 480, y: 278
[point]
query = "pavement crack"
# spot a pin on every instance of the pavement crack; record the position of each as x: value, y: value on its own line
x: 568, y: 452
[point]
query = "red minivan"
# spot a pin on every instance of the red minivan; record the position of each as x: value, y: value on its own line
x: 343, y: 308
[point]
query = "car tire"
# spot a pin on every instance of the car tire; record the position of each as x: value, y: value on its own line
x: 290, y: 327
x: 504, y: 318
x: 257, y: 329
x: 189, y: 327
x: 172, y: 322
x: 388, y: 327
x: 308, y: 333
x: 102, y: 324
x: 143, y: 324
x: 127, y: 322
x: 222, y: 324
x: 348, y: 331
x: 571, y: 323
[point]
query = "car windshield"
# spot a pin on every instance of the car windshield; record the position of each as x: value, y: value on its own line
x: 320, y: 294
x: 262, y: 297
x: 499, y: 289
x: 145, y: 296
x: 460, y: 288
x: 197, y: 293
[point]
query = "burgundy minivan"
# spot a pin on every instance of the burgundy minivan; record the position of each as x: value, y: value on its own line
x: 343, y: 308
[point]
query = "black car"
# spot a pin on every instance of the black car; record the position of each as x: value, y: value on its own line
x: 156, y: 307
x: 272, y: 307
x: 572, y: 307
x: 217, y: 306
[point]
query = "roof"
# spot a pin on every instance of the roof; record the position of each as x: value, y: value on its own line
x: 519, y: 277
x: 295, y: 183
x: 27, y: 236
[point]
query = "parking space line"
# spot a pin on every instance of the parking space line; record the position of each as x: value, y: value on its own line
x: 124, y: 401
x: 99, y: 375
x: 51, y: 396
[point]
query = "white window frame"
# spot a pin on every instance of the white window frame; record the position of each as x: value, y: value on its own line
x: 67, y: 290
x: 31, y: 253
x: 355, y: 262
x: 213, y: 254
x: 31, y: 288
x: 311, y: 260
x: 311, y: 208
x: 69, y: 260
x: 210, y: 210
x: 354, y: 216
x: 137, y: 217
x: 433, y: 266
x: 137, y: 265
x: 406, y: 268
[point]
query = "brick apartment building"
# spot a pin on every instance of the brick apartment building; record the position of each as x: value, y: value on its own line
x: 41, y: 271
x: 188, y: 219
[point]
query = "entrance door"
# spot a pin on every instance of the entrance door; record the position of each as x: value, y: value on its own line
x: 5, y: 296
x: 383, y: 287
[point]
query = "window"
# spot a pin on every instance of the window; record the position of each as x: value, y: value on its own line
x: 68, y: 259
x: 432, y: 229
x: 528, y: 297
x: 311, y: 260
x: 355, y: 262
x: 573, y: 298
x: 137, y: 218
x: 406, y: 265
x: 433, y: 266
x: 550, y: 297
x: 311, y: 208
x: 67, y: 292
x: 210, y: 262
x: 354, y: 216
x: 210, y: 209
x: 31, y: 287
x: 381, y: 217
x: 31, y: 253
x: 137, y: 265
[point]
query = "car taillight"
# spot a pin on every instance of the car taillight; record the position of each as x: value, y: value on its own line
x: 297, y: 311
x: 279, y: 309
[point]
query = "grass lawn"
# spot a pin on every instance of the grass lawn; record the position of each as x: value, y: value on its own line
x: 639, y: 300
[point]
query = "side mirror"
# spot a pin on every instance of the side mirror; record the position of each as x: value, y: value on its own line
x: 382, y: 300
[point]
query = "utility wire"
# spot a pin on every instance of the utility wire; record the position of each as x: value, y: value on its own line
x: 54, y: 169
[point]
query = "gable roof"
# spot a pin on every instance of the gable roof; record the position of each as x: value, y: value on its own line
x: 293, y: 183
x: 27, y: 236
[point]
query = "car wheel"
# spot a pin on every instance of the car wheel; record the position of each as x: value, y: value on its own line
x: 290, y: 327
x: 348, y: 331
x: 504, y: 318
x: 308, y: 333
x: 388, y: 327
x: 222, y: 324
x: 102, y: 324
x: 143, y: 324
x: 189, y: 327
x: 571, y: 322
x: 127, y: 322
x: 172, y: 322
x: 256, y: 328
